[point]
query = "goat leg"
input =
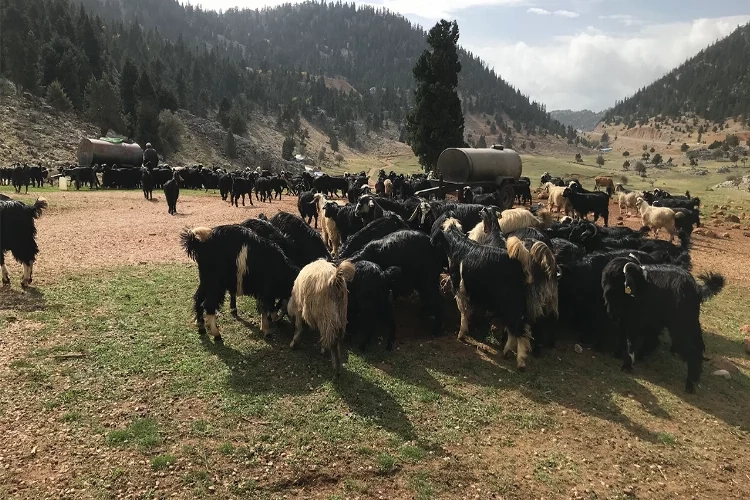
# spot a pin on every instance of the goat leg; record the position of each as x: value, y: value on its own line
x: 6, y: 276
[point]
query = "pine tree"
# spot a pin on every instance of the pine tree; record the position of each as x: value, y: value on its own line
x: 437, y: 121
x: 230, y: 147
x: 147, y: 112
x: 57, y: 98
x: 128, y: 82
x: 223, y: 114
x: 333, y: 141
x: 600, y: 160
x: 482, y: 142
x: 103, y: 105
x: 170, y: 132
x: 237, y: 121
x: 287, y: 149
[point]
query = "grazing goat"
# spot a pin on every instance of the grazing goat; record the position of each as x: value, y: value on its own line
x: 555, y: 198
x: 627, y: 199
x: 370, y: 306
x: 514, y: 219
x: 585, y: 203
x: 485, y: 278
x: 307, y: 206
x: 241, y: 187
x: 172, y: 192
x: 420, y: 262
x: 690, y: 203
x: 235, y: 259
x: 658, y: 218
x: 689, y: 219
x: 329, y: 231
x: 375, y: 230
x: 644, y: 299
x: 555, y: 181
x: 320, y: 300
x: 225, y: 186
x: 388, y: 188
x: 307, y: 241
x: 18, y: 235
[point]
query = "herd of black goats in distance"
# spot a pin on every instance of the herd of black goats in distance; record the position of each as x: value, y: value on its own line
x: 534, y: 278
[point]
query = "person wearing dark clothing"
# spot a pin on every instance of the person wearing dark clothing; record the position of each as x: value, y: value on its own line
x: 150, y: 158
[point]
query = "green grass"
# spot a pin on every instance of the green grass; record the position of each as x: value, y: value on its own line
x: 214, y: 408
x: 161, y: 462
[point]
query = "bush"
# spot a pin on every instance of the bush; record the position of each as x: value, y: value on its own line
x: 715, y: 145
x: 600, y: 160
x: 657, y: 159
x: 623, y: 179
x: 171, y: 131
x: 645, y: 147
x: 322, y: 155
x: 734, y: 158
x: 640, y: 168
x: 653, y: 149
x: 57, y: 98
x: 626, y: 153
x: 684, y: 147
x: 532, y: 145
x: 287, y: 149
x: 334, y: 141
x: 626, y: 165
x: 339, y: 158
x: 237, y: 122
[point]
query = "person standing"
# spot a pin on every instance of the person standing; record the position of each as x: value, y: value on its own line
x: 150, y: 158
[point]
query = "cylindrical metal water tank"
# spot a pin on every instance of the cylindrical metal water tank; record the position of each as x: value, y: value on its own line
x: 478, y: 165
x: 96, y: 151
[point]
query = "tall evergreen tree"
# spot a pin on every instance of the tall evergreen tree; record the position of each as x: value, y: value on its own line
x: 230, y: 147
x: 128, y: 82
x: 147, y: 112
x: 103, y: 105
x: 437, y: 121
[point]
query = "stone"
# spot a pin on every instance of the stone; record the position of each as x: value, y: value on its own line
x: 726, y: 236
x: 726, y: 365
x: 732, y: 218
x: 746, y: 234
x: 577, y: 348
x: 620, y: 223
x: 619, y: 218
x: 723, y: 373
x: 716, y: 206
x: 736, y: 226
x: 721, y: 212
x: 745, y: 329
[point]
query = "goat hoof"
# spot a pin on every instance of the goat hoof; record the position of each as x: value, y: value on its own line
x: 233, y: 312
x: 690, y: 388
x: 6, y: 281
x: 219, y: 339
x: 25, y: 284
x: 627, y: 369
x: 521, y: 368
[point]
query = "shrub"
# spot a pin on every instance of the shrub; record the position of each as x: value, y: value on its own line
x: 626, y: 153
x: 171, y: 131
x: 684, y: 147
x: 640, y: 168
x: 230, y: 147
x: 600, y: 160
x: 626, y: 165
x: 57, y: 98
x: 287, y: 149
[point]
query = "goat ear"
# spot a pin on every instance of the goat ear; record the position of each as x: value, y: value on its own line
x: 414, y: 215
x: 372, y: 204
x: 633, y: 273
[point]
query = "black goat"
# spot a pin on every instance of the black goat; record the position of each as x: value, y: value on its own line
x: 264, y: 189
x: 307, y: 208
x: 241, y: 187
x: 234, y: 259
x: 20, y: 178
x: 375, y: 230
x: 691, y: 203
x: 586, y: 203
x: 485, y: 278
x: 347, y: 221
x: 172, y: 192
x: 307, y: 240
x: 18, y: 235
x: 225, y: 186
x: 147, y: 183
x: 420, y: 263
x: 644, y: 299
x: 557, y: 181
x: 370, y: 308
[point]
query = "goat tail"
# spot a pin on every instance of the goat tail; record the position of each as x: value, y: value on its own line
x: 541, y: 255
x: 517, y: 251
x: 39, y: 205
x: 192, y: 239
x: 545, y: 218
x: 344, y: 273
x: 712, y: 284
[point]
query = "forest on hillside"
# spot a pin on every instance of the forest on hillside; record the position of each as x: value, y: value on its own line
x: 715, y: 84
x: 272, y: 60
x: 585, y: 119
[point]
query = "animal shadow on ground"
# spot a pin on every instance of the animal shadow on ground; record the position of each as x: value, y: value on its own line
x: 277, y: 369
x: 29, y: 300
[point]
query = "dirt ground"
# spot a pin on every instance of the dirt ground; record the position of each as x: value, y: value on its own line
x: 85, y: 230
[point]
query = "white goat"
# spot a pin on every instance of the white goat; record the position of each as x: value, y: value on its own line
x: 627, y: 199
x: 556, y: 198
x: 319, y: 300
x: 388, y: 186
x: 658, y: 218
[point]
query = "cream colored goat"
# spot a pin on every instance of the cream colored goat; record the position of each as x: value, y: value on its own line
x: 627, y: 199
x: 658, y: 218
x: 319, y: 300
x: 556, y: 198
x: 512, y: 220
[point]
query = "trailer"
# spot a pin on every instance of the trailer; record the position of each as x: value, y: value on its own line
x: 493, y: 169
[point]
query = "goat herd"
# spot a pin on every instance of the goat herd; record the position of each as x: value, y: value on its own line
x: 534, y: 278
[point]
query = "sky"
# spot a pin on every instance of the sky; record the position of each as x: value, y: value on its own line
x: 571, y: 54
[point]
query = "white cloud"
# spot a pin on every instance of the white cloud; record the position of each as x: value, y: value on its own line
x: 593, y: 69
x: 626, y: 19
x: 544, y: 12
x: 566, y: 13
